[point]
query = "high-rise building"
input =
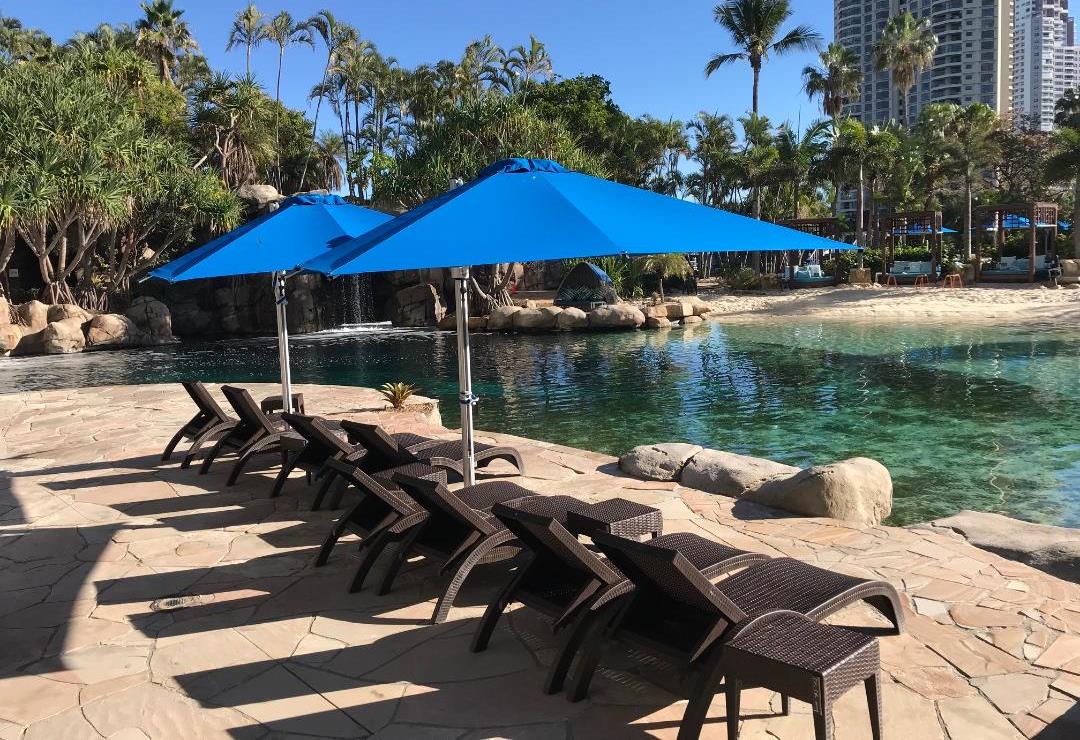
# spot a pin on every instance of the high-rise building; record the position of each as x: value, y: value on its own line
x: 973, y: 62
x: 1044, y: 59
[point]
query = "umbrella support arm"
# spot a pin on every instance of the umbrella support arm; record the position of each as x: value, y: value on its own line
x: 280, y: 302
x: 462, y: 279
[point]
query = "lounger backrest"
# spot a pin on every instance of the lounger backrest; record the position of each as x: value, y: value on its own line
x: 396, y: 500
x: 204, y: 400
x: 378, y: 443
x: 546, y: 537
x: 661, y: 570
x: 438, y: 499
x: 245, y: 407
x: 316, y: 433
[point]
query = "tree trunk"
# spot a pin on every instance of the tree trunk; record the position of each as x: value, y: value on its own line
x: 967, y: 219
x: 860, y: 204
x: 315, y: 124
x: 248, y: 59
x: 757, y: 80
x: 1076, y: 218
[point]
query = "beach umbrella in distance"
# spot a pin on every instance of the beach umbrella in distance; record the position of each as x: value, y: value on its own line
x: 521, y: 210
x: 302, y: 227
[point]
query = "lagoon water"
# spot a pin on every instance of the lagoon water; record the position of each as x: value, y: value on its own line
x: 977, y: 416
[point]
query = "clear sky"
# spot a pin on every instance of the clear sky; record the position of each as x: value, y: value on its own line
x: 652, y: 52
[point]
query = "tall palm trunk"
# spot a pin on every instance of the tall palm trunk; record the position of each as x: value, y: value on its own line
x: 247, y: 60
x: 756, y: 64
x: 1076, y: 217
x: 315, y: 123
x: 277, y: 115
x: 967, y: 219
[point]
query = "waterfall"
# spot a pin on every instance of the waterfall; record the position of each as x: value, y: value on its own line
x: 354, y: 300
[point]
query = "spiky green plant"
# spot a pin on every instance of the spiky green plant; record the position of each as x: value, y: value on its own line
x: 397, y: 394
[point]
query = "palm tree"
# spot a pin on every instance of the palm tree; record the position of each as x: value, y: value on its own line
x: 334, y: 35
x: 165, y: 35
x: 906, y: 47
x: 664, y: 266
x: 974, y: 148
x: 799, y: 157
x: 481, y: 64
x: 524, y: 65
x: 329, y: 151
x: 285, y: 32
x: 836, y: 81
x: 754, y: 26
x: 248, y: 29
x: 1064, y: 166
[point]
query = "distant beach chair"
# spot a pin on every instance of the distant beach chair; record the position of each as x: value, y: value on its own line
x: 569, y: 583
x: 254, y: 433
x: 209, y: 421
x: 389, y: 451
x: 317, y: 446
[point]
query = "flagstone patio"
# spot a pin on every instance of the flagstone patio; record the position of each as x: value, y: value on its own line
x: 97, y: 535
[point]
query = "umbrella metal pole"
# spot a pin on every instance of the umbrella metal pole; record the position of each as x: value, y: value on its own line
x: 280, y: 301
x: 465, y: 395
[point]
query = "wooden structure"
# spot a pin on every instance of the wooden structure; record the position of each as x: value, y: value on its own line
x: 896, y: 228
x: 827, y: 228
x: 995, y: 220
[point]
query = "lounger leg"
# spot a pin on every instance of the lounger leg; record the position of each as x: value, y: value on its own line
x: 202, y: 439
x: 823, y: 724
x: 575, y: 636
x: 702, y: 690
x: 370, y: 548
x: 785, y: 705
x: 172, y: 445
x: 288, y: 463
x: 590, y: 656
x: 734, y: 692
x: 402, y: 554
x: 214, y: 452
x: 332, y: 537
x: 446, y: 601
x: 494, y: 610
x: 328, y: 480
x: 873, y: 700
x: 238, y: 466
x: 890, y: 609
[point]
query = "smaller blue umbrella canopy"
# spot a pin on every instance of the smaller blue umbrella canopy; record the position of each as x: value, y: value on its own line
x: 302, y: 227
x: 1014, y: 222
x: 920, y: 230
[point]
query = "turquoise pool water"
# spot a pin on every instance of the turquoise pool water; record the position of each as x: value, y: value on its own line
x: 976, y: 417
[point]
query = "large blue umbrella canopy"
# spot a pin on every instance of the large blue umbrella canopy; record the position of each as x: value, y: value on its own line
x: 520, y: 210
x: 303, y: 227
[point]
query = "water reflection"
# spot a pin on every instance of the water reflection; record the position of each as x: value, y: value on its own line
x: 965, y: 417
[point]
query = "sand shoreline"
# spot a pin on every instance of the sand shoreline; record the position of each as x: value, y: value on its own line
x: 998, y: 304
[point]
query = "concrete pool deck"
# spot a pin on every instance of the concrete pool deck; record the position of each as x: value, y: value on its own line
x: 94, y: 530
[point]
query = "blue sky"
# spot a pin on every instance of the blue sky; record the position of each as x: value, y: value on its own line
x: 653, y: 52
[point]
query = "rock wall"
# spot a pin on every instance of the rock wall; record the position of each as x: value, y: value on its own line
x: 36, y: 328
x: 604, y: 318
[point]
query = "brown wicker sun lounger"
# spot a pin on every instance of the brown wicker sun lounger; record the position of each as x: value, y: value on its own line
x: 460, y: 531
x: 208, y: 422
x: 571, y: 584
x: 254, y: 433
x: 400, y: 449
x: 675, y: 611
x: 319, y: 444
x: 384, y: 515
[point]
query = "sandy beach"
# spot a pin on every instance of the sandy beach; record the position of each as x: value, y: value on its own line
x: 999, y: 303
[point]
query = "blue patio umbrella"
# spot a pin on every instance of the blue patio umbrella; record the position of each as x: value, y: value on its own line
x: 520, y: 210
x: 920, y: 230
x: 301, y: 228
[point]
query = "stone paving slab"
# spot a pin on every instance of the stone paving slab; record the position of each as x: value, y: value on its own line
x: 95, y: 531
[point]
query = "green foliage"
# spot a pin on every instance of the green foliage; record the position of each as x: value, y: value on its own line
x: 744, y: 278
x: 397, y: 394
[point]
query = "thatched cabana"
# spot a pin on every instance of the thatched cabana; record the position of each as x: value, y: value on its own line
x: 1032, y: 218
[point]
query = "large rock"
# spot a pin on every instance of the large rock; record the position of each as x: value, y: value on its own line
x: 417, y: 305
x: 657, y: 322
x: 112, y: 330
x: 701, y: 308
x: 10, y: 334
x: 34, y: 315
x: 533, y: 319
x: 572, y: 318
x: 30, y: 342
x: 1055, y: 550
x: 856, y: 490
x: 61, y: 311
x: 259, y: 197
x: 189, y: 318
x: 729, y: 474
x: 658, y: 462
x: 687, y: 320
x: 616, y: 316
x: 7, y: 315
x: 64, y: 337
x: 679, y: 309
x: 502, y: 318
x: 151, y: 316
